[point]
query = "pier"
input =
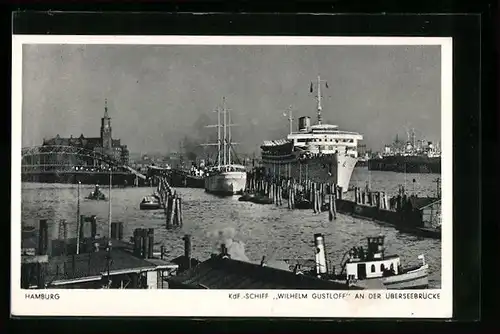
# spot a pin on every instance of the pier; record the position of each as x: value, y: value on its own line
x: 170, y: 201
x: 408, y: 213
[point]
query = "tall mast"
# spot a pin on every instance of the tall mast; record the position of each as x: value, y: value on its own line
x: 319, y: 100
x: 219, y: 144
x: 290, y: 119
x: 218, y: 137
x: 225, y: 131
x: 229, y: 137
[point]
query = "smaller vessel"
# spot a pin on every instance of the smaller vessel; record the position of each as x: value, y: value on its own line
x: 225, y: 178
x: 96, y: 195
x: 372, y: 268
x: 151, y: 202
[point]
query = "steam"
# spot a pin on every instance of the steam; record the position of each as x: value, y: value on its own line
x: 235, y: 249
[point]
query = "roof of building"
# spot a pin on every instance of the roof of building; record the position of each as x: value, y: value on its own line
x: 224, y: 273
x: 94, y: 264
x: 90, y: 142
x: 420, y: 203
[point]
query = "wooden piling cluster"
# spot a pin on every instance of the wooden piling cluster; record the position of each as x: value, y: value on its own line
x: 378, y: 199
x: 171, y: 203
x: 303, y: 195
x: 143, y: 242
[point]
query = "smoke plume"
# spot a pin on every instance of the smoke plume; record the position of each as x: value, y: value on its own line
x: 235, y: 249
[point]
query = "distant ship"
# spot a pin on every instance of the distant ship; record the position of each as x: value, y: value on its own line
x: 225, y: 178
x: 320, y: 153
x: 412, y: 156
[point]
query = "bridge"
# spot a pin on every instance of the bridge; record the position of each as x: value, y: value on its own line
x: 71, y: 164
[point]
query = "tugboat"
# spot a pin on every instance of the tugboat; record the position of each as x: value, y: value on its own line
x: 96, y: 195
x: 372, y: 268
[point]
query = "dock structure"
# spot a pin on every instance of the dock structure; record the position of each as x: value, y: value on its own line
x: 319, y: 197
x: 100, y: 263
x: 222, y: 272
x: 410, y: 214
x: 170, y: 201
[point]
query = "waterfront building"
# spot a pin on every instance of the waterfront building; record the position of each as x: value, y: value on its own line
x: 105, y: 144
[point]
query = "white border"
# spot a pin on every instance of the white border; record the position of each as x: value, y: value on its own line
x: 206, y: 303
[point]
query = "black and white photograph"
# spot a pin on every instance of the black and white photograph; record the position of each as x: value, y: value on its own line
x: 270, y: 170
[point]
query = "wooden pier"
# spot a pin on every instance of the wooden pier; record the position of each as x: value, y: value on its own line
x: 409, y: 214
x: 170, y: 202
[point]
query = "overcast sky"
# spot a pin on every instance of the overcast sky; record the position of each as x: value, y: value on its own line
x: 159, y: 94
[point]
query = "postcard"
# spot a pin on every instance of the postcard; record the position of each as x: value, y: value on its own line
x: 232, y: 176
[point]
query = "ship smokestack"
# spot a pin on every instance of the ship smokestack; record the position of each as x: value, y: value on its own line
x: 304, y: 124
x: 321, y: 267
x: 223, y: 251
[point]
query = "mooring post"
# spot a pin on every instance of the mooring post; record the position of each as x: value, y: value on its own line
x: 180, y: 213
x: 313, y: 198
x: 137, y: 243
x: 145, y: 243
x: 171, y: 203
x: 187, y: 250
x: 177, y: 218
x: 151, y: 240
x: 79, y: 233
x: 93, y: 227
x: 330, y: 207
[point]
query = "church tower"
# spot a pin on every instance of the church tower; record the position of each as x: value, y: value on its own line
x: 106, y: 128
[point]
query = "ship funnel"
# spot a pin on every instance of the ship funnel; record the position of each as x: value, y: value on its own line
x: 321, y: 267
x: 304, y: 123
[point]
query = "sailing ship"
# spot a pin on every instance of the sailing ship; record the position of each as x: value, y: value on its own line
x: 319, y: 153
x: 225, y: 178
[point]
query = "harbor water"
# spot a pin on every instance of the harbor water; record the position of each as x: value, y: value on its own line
x: 260, y: 230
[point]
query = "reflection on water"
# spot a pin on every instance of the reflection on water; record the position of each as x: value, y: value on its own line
x: 276, y: 232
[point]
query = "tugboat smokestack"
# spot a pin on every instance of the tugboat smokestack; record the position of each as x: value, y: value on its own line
x: 321, y: 267
x: 223, y: 251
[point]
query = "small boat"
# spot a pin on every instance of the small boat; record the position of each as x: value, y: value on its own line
x: 372, y: 268
x: 246, y: 197
x: 96, y: 196
x: 150, y: 203
x: 261, y: 199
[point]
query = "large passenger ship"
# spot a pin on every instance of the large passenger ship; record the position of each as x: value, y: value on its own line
x: 320, y: 152
x: 225, y: 178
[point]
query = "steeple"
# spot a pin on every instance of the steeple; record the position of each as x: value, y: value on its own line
x: 106, y: 128
x: 106, y: 108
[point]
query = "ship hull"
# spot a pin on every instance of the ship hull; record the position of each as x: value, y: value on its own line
x: 413, y: 279
x: 226, y: 183
x: 406, y: 164
x: 332, y: 168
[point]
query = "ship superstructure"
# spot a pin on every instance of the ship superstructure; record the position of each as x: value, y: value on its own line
x: 411, y: 156
x: 319, y: 152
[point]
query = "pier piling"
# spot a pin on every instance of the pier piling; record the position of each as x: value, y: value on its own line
x: 187, y: 250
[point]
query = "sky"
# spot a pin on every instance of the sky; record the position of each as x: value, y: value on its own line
x: 158, y: 95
